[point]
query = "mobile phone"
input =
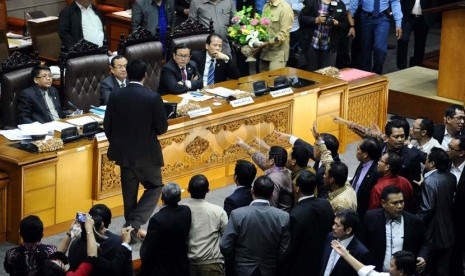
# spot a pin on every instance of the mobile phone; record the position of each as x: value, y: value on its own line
x: 81, y: 217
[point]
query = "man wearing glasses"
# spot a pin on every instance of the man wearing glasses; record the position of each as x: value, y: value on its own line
x: 180, y: 74
x: 39, y: 102
x: 116, y: 80
x: 453, y: 125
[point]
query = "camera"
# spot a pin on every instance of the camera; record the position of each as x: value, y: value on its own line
x: 81, y: 217
x: 329, y: 21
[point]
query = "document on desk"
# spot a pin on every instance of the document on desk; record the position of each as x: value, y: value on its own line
x: 195, y: 96
x: 80, y: 121
x: 57, y: 125
x: 222, y: 92
x: 14, y: 135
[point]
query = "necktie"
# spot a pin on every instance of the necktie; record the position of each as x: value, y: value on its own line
x: 51, y: 107
x: 122, y: 85
x: 211, y: 72
x: 376, y: 8
x: 183, y: 74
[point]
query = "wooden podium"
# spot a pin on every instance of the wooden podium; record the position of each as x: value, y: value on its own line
x: 451, y: 80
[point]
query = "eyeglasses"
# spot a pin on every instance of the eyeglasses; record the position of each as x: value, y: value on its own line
x: 49, y: 76
x: 414, y: 127
x: 183, y: 56
x: 120, y: 66
x: 382, y: 161
x: 459, y: 117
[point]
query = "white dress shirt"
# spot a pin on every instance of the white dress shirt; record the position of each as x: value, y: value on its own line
x: 446, y: 140
x: 334, y: 256
x: 92, y: 28
x: 394, y: 240
x: 457, y: 171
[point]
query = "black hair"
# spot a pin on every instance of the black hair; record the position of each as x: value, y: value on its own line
x: 198, y: 186
x: 245, y: 172
x: 37, y: 68
x: 389, y: 190
x: 112, y: 62
x: 103, y: 212
x: 301, y: 155
x: 332, y: 144
x: 398, y: 123
x: 428, y: 125
x: 394, y: 161
x: 339, y: 172
x: 181, y: 46
x: 136, y: 70
x: 31, y: 229
x: 440, y: 159
x: 450, y: 111
x: 211, y: 36
x: 461, y: 142
x: 405, y: 261
x: 348, y: 219
x: 263, y: 187
x: 306, y: 181
x: 279, y: 156
x: 372, y: 147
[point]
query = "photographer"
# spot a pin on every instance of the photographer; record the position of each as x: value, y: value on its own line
x: 322, y: 26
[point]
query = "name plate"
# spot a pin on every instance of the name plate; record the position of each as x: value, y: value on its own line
x: 199, y: 112
x: 281, y: 92
x: 101, y: 137
x: 241, y: 102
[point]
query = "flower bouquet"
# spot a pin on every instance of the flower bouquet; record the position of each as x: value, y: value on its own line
x: 248, y: 31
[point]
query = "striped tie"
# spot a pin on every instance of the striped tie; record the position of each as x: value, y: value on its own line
x: 211, y: 72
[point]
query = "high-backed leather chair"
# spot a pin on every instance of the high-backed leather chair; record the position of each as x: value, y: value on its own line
x: 4, y: 50
x: 15, y: 76
x: 142, y: 45
x: 85, y: 65
x: 45, y: 39
x: 191, y: 32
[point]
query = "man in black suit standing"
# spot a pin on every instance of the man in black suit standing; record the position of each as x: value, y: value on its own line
x: 311, y: 220
x: 134, y: 117
x: 116, y: 80
x: 244, y: 175
x: 214, y: 66
x: 454, y: 121
x: 40, y: 102
x: 346, y: 224
x: 180, y: 74
x: 390, y: 229
x: 164, y: 249
x: 366, y: 175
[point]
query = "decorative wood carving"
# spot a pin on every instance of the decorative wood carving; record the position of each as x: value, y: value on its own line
x: 16, y: 61
x: 191, y: 27
x: 111, y: 175
x: 364, y: 109
x: 175, y: 139
x: 140, y: 35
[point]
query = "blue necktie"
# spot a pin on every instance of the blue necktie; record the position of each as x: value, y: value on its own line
x: 211, y: 72
x: 376, y: 8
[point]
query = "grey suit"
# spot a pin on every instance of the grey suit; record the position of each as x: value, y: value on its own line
x: 145, y: 14
x: 108, y: 85
x: 436, y: 210
x: 257, y: 237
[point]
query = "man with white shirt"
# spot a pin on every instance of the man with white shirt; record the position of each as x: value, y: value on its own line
x: 116, y: 80
x: 80, y: 20
x: 346, y: 224
x: 311, y: 220
x: 421, y: 135
x: 454, y: 121
x: 390, y: 229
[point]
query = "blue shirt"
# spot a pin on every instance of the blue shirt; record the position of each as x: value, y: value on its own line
x: 363, y: 172
x: 368, y: 6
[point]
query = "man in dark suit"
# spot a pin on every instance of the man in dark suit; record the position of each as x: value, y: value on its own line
x: 366, y: 175
x: 80, y: 20
x: 408, y: 231
x: 116, y: 80
x: 453, y: 125
x: 346, y: 224
x: 164, y: 249
x: 134, y: 117
x: 40, y: 102
x: 311, y: 220
x: 257, y: 236
x: 180, y: 74
x: 436, y: 210
x: 244, y: 175
x: 213, y: 65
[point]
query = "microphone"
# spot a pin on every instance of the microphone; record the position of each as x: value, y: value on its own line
x: 72, y: 105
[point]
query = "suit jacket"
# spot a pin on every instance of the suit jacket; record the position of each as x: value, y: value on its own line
x: 363, y: 193
x: 134, y: 117
x: 164, y: 249
x: 437, y: 207
x: 33, y: 108
x: 70, y: 26
x: 459, y: 206
x: 407, y: 6
x: 108, y: 85
x: 411, y: 159
x: 438, y: 133
x: 342, y: 268
x: 171, y: 74
x: 311, y: 220
x: 239, y: 198
x: 257, y: 237
x: 373, y: 235
x: 223, y: 70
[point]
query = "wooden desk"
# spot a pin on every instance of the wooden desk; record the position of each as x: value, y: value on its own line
x: 56, y: 185
x: 115, y: 25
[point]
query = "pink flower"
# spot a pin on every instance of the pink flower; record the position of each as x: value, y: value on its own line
x: 265, y: 21
x: 243, y: 27
x: 235, y: 19
x: 254, y: 22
